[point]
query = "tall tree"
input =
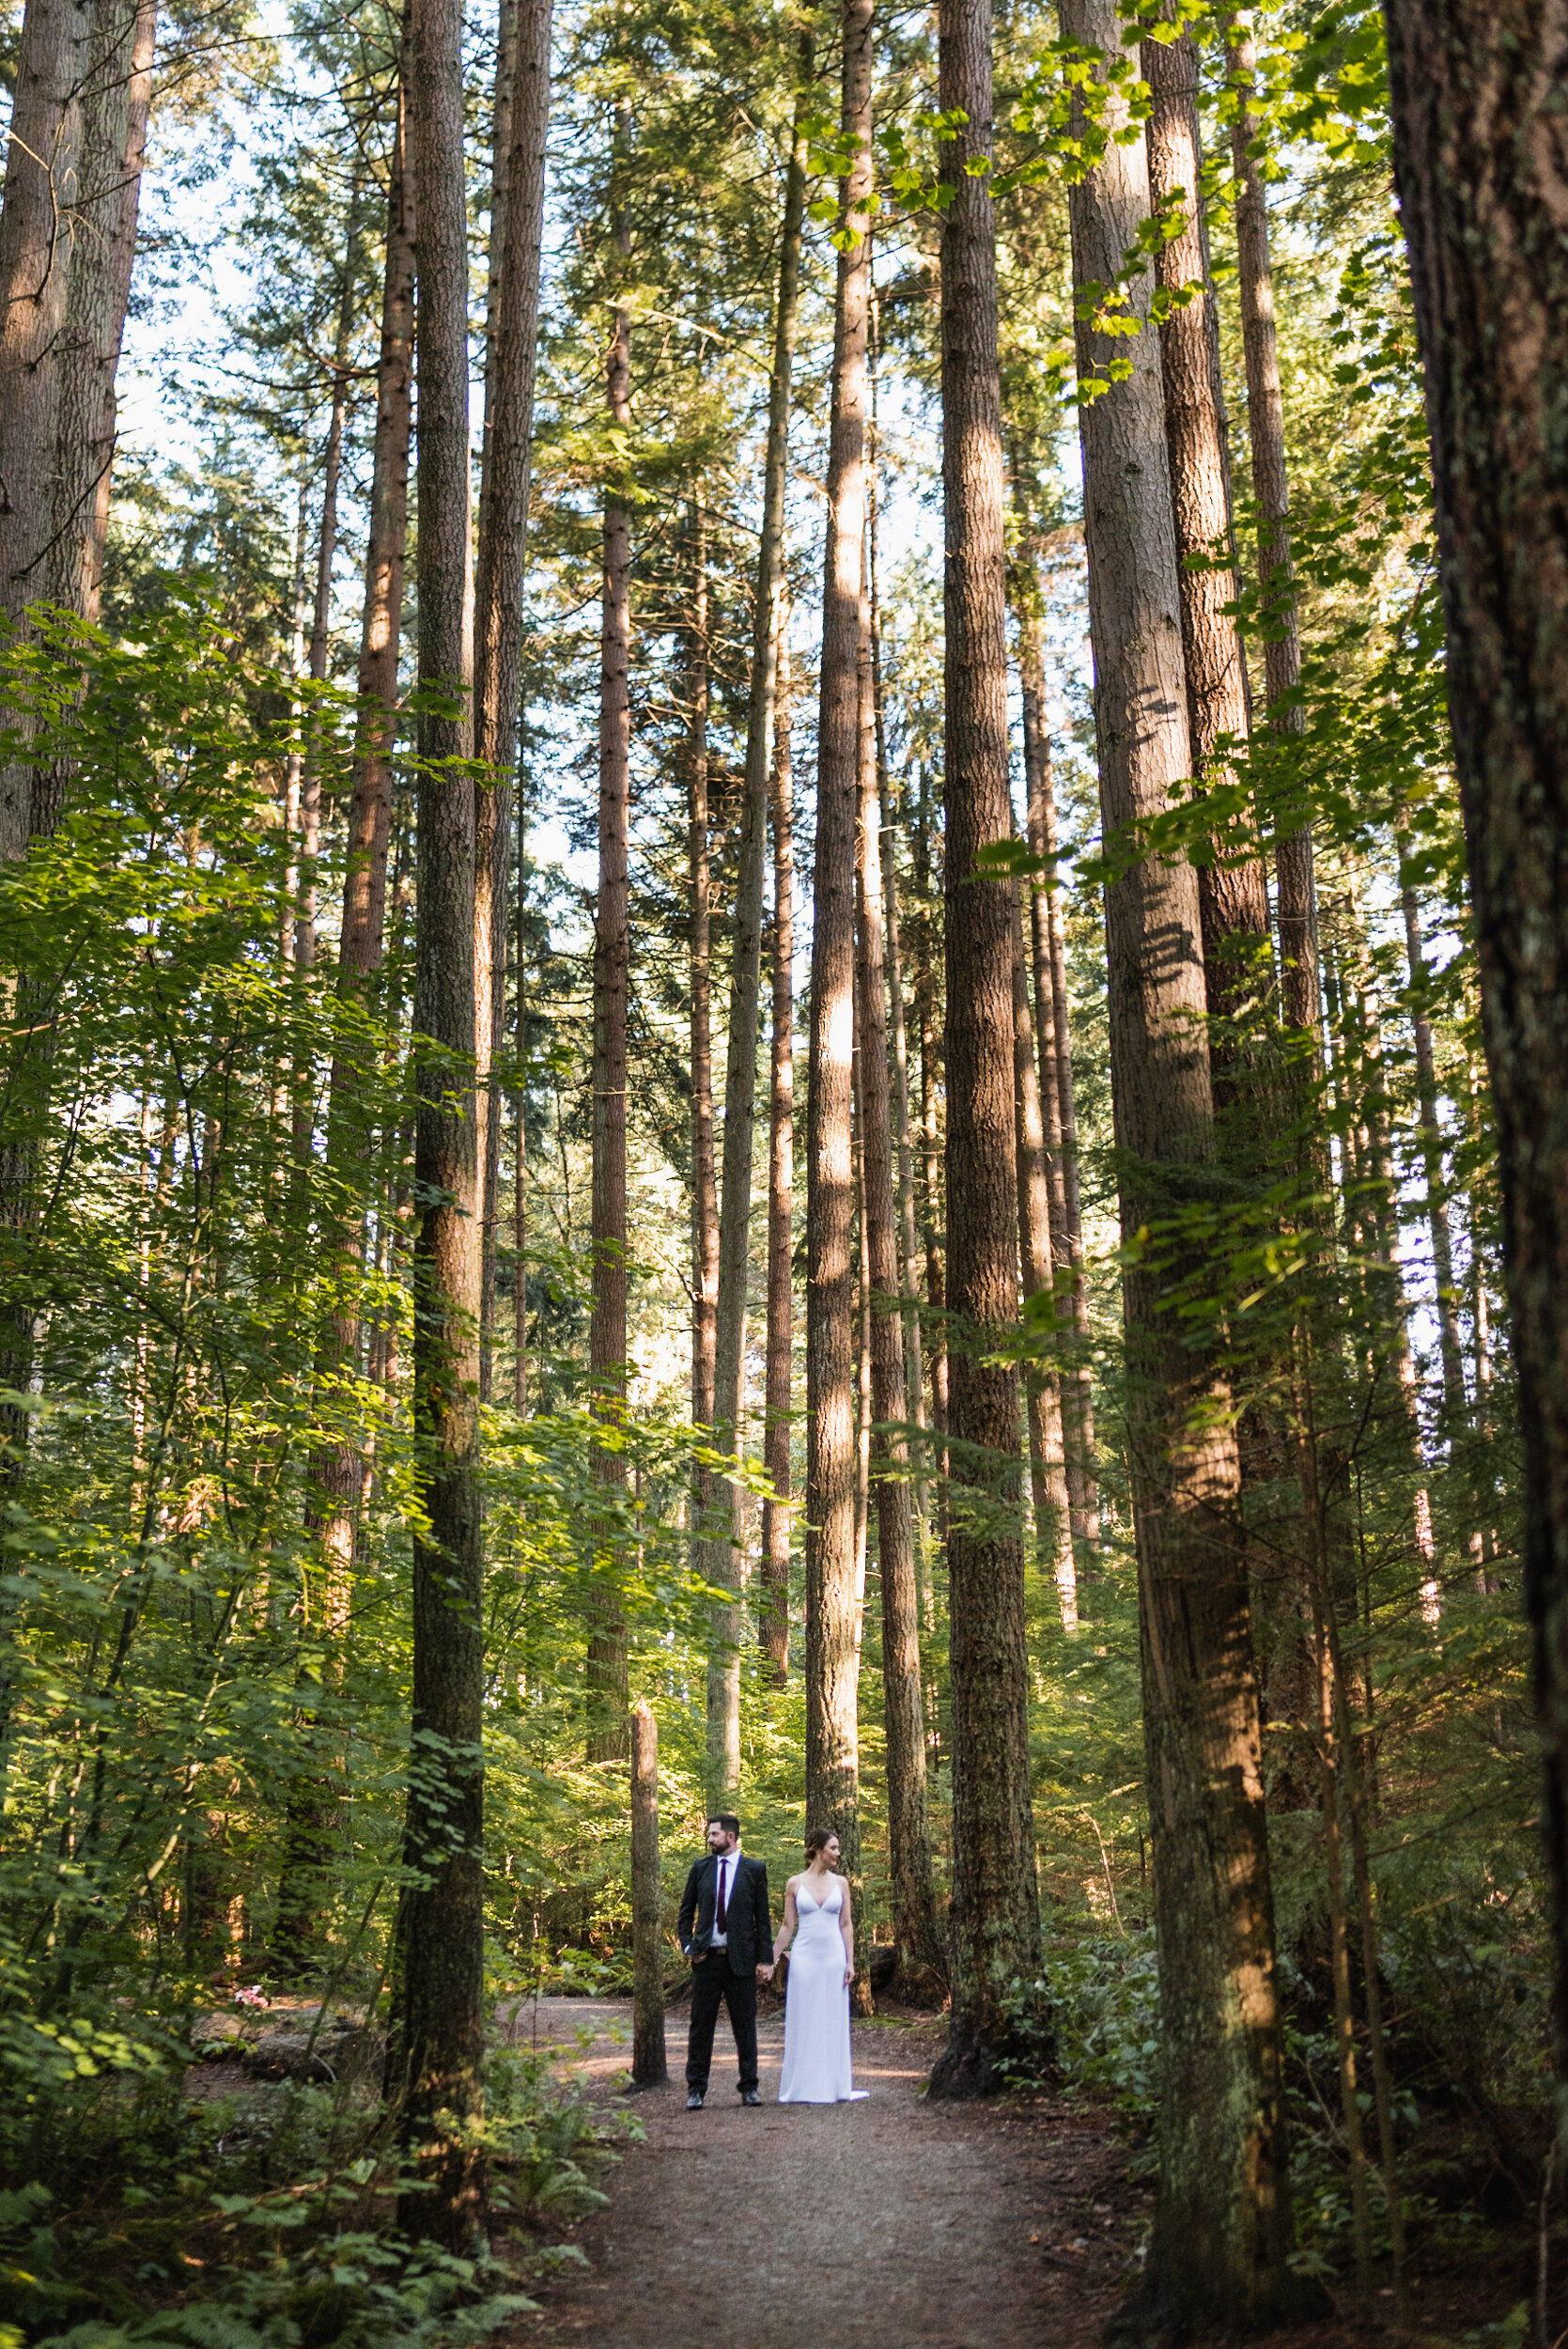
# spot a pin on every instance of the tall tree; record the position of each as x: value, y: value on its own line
x: 1222, y: 2216
x: 436, y: 2057
x: 832, y: 1644
x: 781, y: 1196
x: 996, y: 1917
x: 1265, y: 428
x: 1232, y: 889
x: 1047, y: 1471
x: 517, y: 228
x: 740, y: 1074
x: 337, y: 1466
x: 607, y: 1346
x: 116, y: 100
x: 42, y: 158
x: 1048, y: 957
x: 909, y: 1832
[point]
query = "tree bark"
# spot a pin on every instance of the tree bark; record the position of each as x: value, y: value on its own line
x: 1222, y: 2217
x: 705, y: 1211
x: 337, y: 1466
x: 42, y: 168
x: 832, y: 1736
x: 517, y: 229
x: 1048, y: 1474
x: 727, y: 1556
x: 1232, y: 891
x: 607, y: 1656
x: 781, y: 1198
x: 908, y: 1830
x: 996, y: 1917
x: 914, y: 1372
x: 1054, y: 1045
x: 649, y: 2067
x: 930, y: 1161
x: 1266, y: 426
x: 436, y: 2057
x: 102, y: 245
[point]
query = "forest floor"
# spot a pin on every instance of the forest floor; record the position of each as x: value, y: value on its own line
x: 892, y: 2224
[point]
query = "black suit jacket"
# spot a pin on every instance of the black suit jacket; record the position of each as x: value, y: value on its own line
x: 748, y: 1927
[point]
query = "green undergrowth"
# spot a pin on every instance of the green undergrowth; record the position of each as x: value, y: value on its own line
x: 1465, y: 1996
x: 134, y: 2217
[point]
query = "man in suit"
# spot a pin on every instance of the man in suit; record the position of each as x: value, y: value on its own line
x: 727, y: 1930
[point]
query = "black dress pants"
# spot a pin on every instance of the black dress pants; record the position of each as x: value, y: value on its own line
x: 712, y: 1985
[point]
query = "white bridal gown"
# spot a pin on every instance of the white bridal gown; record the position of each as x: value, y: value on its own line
x: 816, y: 2068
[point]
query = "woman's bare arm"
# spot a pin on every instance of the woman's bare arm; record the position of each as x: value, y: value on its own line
x: 846, y: 1926
x: 785, y: 1934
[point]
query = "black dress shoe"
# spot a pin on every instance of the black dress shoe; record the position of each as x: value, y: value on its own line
x: 750, y: 2096
x: 693, y: 2102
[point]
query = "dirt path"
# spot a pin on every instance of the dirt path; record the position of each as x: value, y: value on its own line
x: 892, y: 2224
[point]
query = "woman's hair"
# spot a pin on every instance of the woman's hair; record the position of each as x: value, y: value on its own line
x: 819, y: 1839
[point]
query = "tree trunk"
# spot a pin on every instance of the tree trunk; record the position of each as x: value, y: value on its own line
x: 1455, y: 1404
x: 649, y: 2068
x: 996, y: 1917
x: 517, y: 229
x: 1266, y: 426
x: 1054, y: 1049
x: 326, y: 553
x: 914, y: 1372
x: 1222, y: 2219
x: 1047, y: 1475
x: 908, y: 1830
x: 781, y: 1197
x: 930, y: 1159
x: 769, y: 608
x: 102, y: 246
x: 705, y: 1211
x: 607, y: 1656
x: 335, y: 1470
x: 1232, y: 891
x: 43, y: 168
x: 832, y: 1736
x: 519, y: 1161
x: 436, y: 2058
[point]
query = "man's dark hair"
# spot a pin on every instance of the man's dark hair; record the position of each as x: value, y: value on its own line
x: 726, y: 1819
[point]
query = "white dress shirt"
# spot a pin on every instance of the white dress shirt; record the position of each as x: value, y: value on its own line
x: 730, y: 1859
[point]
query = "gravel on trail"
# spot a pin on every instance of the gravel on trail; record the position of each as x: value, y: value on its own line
x: 890, y: 2224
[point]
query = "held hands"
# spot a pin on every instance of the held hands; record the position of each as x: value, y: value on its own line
x: 764, y: 1974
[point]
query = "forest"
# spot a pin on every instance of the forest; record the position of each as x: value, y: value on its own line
x: 783, y: 900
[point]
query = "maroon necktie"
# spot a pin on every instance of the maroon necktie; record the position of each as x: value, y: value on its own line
x: 721, y: 1913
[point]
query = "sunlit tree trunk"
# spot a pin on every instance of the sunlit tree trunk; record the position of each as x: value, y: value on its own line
x: 1232, y: 892
x: 1265, y: 430
x: 435, y: 2062
x: 832, y: 1735
x: 996, y: 1919
x: 1222, y: 2217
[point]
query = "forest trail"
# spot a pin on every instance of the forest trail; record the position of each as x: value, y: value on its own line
x: 892, y: 2224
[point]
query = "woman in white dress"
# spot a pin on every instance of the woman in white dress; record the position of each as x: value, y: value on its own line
x: 819, y: 1931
